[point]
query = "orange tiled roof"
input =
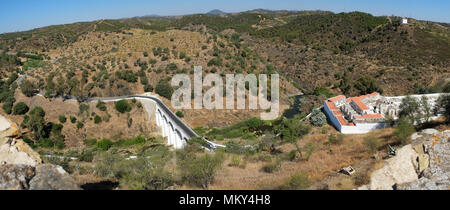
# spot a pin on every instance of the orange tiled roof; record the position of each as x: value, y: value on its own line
x: 360, y: 104
x: 337, y: 98
x: 369, y: 95
x: 331, y: 105
x: 370, y: 116
x: 338, y: 114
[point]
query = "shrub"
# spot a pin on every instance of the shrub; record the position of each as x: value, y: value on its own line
x: 104, y: 144
x: 367, y: 85
x: 143, y: 173
x: 90, y: 142
x: 97, y: 119
x: 7, y: 107
x: 131, y: 142
x: 84, y: 108
x: 62, y: 119
x: 164, y: 89
x: 148, y: 88
x: 292, y: 156
x: 409, y: 109
x: 371, y: 143
x: 73, y: 119
x: 215, y: 62
x: 180, y: 114
x: 254, y: 124
x: 27, y: 88
x: 297, y: 182
x: 403, y: 131
x: 272, y: 167
x: 21, y: 108
x: 87, y: 156
x: 339, y: 139
x: 235, y: 161
x: 123, y: 106
x: 201, y: 171
x: 80, y: 125
x: 310, y: 149
x: 101, y: 106
x: 172, y: 67
x: 318, y: 118
x: 36, y: 123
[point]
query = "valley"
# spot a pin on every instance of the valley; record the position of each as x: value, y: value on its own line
x: 66, y: 88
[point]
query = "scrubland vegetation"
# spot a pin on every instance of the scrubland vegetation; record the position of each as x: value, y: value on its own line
x: 320, y: 53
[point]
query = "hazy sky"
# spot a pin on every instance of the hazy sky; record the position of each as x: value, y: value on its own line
x: 19, y: 15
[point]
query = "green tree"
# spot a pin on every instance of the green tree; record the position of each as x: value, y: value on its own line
x: 292, y: 130
x: 36, y: 123
x: 409, y: 109
x: 104, y: 144
x: 254, y: 124
x: 148, y: 88
x: 73, y: 119
x: 21, y: 108
x: 403, y: 131
x: 201, y: 171
x: 80, y: 125
x: 443, y: 106
x: 426, y: 108
x: 97, y: 119
x: 123, y: 106
x: 164, y: 89
x: 62, y: 119
x: 367, y: 85
x: 180, y: 114
x: 27, y: 88
x: 318, y: 118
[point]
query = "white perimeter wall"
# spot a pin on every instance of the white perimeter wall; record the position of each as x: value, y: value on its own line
x: 362, y: 128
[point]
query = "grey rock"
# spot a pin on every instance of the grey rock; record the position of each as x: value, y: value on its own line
x: 51, y: 177
x: 430, y: 131
x: 437, y: 176
x: 416, y: 136
x: 15, y: 177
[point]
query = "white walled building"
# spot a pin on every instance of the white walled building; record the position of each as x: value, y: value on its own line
x: 363, y: 114
x: 405, y: 21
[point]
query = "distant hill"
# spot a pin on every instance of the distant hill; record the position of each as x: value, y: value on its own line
x: 216, y: 12
x: 317, y: 49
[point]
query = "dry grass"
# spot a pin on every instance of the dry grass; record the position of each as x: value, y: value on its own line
x: 328, y: 159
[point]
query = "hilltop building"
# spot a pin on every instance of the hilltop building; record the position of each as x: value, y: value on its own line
x: 359, y: 115
x: 405, y: 21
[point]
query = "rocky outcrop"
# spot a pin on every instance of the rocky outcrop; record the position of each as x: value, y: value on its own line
x: 17, y: 152
x: 7, y: 129
x: 422, y: 165
x: 434, y: 166
x: 15, y: 177
x: 21, y: 168
x: 399, y: 169
x: 51, y: 177
x: 41, y: 177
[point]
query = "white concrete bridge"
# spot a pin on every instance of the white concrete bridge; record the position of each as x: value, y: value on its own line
x: 177, y: 132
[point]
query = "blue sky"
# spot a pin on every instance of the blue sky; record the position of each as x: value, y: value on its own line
x: 19, y: 15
